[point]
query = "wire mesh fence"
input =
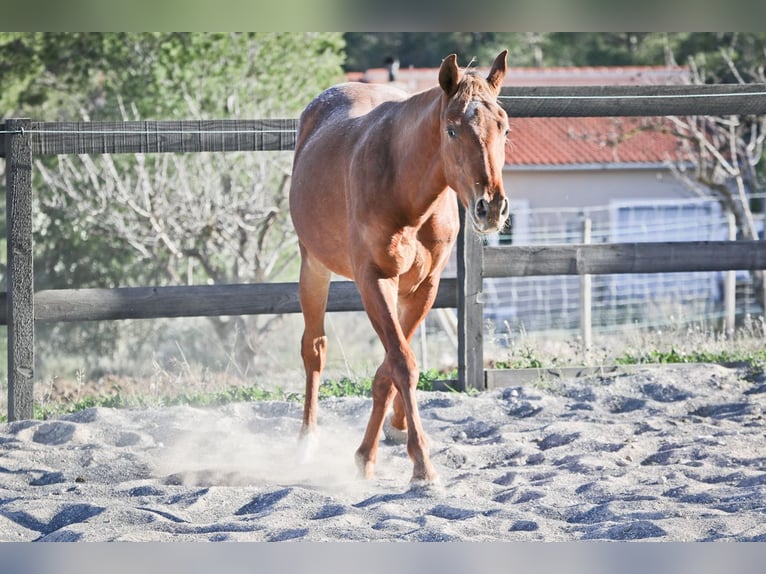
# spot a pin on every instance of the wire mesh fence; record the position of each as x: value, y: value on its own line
x: 619, y: 301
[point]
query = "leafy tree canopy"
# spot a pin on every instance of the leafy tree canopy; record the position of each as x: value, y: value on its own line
x: 67, y: 75
x: 707, y: 50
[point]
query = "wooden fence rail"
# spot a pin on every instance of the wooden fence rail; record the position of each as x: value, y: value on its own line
x: 22, y: 139
x: 49, y: 138
x: 592, y: 101
x: 588, y: 259
x: 606, y: 258
x: 74, y: 305
x: 52, y: 138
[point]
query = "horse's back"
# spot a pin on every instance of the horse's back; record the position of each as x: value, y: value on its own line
x: 330, y: 114
x: 329, y: 131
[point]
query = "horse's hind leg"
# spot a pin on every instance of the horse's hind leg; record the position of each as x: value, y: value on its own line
x: 312, y: 291
x: 395, y: 426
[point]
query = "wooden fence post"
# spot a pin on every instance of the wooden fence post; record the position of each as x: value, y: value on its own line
x: 730, y: 284
x: 470, y: 307
x: 586, y: 296
x: 20, y: 276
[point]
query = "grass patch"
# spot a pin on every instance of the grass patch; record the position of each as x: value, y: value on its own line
x: 345, y: 387
x: 430, y: 376
x: 693, y: 344
x: 673, y: 344
x: 524, y: 359
x: 196, y: 399
x: 752, y: 358
x: 362, y: 387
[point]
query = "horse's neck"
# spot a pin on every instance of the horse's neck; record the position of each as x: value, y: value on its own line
x: 417, y: 132
x: 419, y: 120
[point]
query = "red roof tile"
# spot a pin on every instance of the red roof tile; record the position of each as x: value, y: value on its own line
x: 566, y: 141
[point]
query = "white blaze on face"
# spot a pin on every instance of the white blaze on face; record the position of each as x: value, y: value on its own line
x: 471, y: 109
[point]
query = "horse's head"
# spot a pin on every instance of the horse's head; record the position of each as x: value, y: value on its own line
x: 473, y: 136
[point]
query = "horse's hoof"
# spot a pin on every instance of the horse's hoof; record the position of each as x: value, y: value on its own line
x: 392, y: 434
x: 365, y: 468
x: 308, y: 443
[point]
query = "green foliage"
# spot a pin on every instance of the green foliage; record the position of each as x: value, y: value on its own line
x: 86, y: 235
x: 230, y: 395
x: 675, y: 355
x: 709, y: 52
x: 526, y: 359
x: 345, y: 387
x: 426, y: 49
x: 428, y: 377
x: 200, y: 399
x: 61, y: 75
x: 362, y: 387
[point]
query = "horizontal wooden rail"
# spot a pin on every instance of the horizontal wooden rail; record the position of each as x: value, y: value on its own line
x: 641, y: 100
x: 50, y: 138
x: 607, y: 258
x: 66, y: 305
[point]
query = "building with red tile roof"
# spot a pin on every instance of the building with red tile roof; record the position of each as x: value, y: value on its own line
x: 572, y: 141
x: 598, y: 141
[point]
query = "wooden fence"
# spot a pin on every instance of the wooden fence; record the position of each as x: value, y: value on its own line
x: 22, y: 139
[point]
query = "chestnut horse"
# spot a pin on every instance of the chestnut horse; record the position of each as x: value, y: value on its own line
x: 372, y: 198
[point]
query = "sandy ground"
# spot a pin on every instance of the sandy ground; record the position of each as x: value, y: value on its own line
x: 671, y: 454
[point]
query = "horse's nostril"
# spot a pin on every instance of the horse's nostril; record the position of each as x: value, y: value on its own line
x: 482, y: 207
x: 504, y: 208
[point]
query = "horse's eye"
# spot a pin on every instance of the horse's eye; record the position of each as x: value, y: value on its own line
x: 451, y: 132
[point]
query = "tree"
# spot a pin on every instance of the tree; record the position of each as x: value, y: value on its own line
x: 728, y: 151
x: 67, y: 75
x: 158, y: 219
x: 427, y: 49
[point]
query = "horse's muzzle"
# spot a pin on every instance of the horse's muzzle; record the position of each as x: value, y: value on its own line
x: 490, y: 216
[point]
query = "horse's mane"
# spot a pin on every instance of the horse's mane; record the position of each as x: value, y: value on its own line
x: 473, y: 81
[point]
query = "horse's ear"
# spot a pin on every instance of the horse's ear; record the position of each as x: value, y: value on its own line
x: 497, y: 73
x: 449, y: 75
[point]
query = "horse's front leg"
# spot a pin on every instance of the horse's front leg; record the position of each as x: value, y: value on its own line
x: 398, y: 371
x: 412, y: 311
